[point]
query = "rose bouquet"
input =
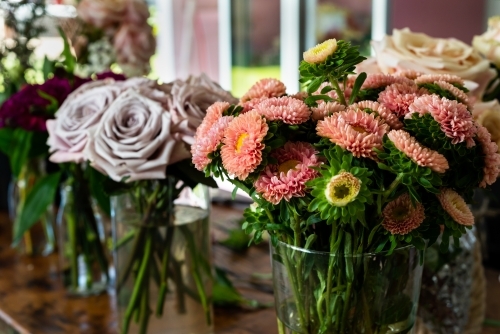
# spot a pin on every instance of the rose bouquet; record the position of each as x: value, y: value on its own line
x: 136, y: 133
x: 351, y: 180
x: 22, y: 138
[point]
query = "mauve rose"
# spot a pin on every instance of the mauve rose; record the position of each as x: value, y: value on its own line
x: 406, y: 50
x: 136, y: 12
x: 190, y: 100
x: 102, y: 13
x: 133, y: 140
x: 134, y: 46
x: 81, y: 110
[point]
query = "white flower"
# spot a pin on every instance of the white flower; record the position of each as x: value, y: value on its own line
x: 488, y: 44
x: 405, y: 50
x: 487, y: 114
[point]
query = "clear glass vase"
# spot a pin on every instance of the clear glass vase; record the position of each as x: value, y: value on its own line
x: 84, y: 256
x: 163, y: 262
x: 446, y: 285
x: 315, y: 294
x: 40, y: 238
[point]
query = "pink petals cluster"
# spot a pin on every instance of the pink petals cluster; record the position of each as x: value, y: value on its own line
x: 286, y: 109
x: 355, y: 131
x: 399, y: 96
x: 453, y: 117
x: 287, y: 178
x: 264, y: 88
x: 455, y: 206
x: 401, y: 216
x: 419, y: 154
x: 491, y: 157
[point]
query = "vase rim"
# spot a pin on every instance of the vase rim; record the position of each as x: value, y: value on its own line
x: 344, y: 255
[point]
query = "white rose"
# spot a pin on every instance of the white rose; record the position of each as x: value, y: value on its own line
x: 487, y: 114
x: 405, y: 50
x: 81, y: 110
x: 133, y: 140
x: 488, y: 44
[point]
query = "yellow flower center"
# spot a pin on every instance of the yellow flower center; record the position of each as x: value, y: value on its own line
x: 320, y: 52
x: 400, y: 213
x: 359, y: 129
x: 288, y: 165
x: 240, y: 141
x: 342, y: 189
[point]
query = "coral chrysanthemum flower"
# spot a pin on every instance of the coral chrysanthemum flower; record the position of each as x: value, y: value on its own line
x: 287, y: 179
x: 300, y: 96
x: 214, y: 113
x: 410, y: 74
x: 286, y: 109
x: 208, y: 142
x: 456, y: 207
x: 459, y: 94
x: 355, y: 131
x: 401, y: 216
x: 432, y: 78
x: 379, y: 80
x: 342, y: 189
x: 264, y: 88
x: 422, y: 156
x: 326, y: 109
x: 390, y: 118
x: 320, y: 52
x: 453, y: 117
x: 242, y: 150
x: 491, y: 157
x: 399, y: 96
x: 250, y: 105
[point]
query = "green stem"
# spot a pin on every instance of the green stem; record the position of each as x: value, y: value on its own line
x: 139, y: 283
x: 71, y: 226
x: 164, y: 269
x: 345, y: 313
x: 145, y: 311
x: 339, y: 92
x: 393, y: 186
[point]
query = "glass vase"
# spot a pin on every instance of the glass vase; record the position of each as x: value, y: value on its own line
x: 40, y: 238
x: 84, y: 257
x: 162, y: 260
x: 315, y: 294
x: 446, y: 285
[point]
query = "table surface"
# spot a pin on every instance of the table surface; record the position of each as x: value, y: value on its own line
x: 32, y: 299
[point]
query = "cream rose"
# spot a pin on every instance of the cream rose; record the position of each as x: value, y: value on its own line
x: 190, y: 100
x: 81, y: 110
x: 488, y: 44
x: 133, y: 140
x: 487, y: 114
x: 405, y: 50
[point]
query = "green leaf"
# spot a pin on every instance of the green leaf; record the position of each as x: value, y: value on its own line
x: 97, y: 181
x: 39, y: 198
x: 357, y: 85
x: 21, y: 144
x: 6, y: 135
x: 69, y: 60
x: 47, y: 68
x: 186, y: 171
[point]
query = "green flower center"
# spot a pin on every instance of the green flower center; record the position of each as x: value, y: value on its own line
x: 342, y: 189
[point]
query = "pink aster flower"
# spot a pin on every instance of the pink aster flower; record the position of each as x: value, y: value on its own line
x: 379, y: 80
x: 432, y: 78
x: 458, y: 93
x: 207, y: 143
x: 300, y: 96
x: 453, y: 117
x: 287, y: 178
x: 264, y: 88
x: 355, y: 131
x: 326, y: 109
x: 419, y: 154
x: 401, y: 216
x: 399, y: 96
x: 410, y: 74
x: 214, y: 113
x: 456, y: 207
x: 242, y: 150
x: 250, y: 105
x: 286, y: 109
x: 390, y: 118
x: 491, y: 157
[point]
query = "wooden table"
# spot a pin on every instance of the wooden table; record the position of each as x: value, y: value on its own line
x: 32, y: 299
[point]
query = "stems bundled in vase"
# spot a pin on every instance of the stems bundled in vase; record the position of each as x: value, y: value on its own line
x: 134, y: 134
x: 351, y: 179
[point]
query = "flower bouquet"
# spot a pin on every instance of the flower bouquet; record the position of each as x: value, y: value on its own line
x: 22, y: 138
x: 351, y: 180
x: 136, y: 132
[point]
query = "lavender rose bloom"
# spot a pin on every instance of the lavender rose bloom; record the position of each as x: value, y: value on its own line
x: 190, y: 100
x: 83, y: 109
x: 133, y: 140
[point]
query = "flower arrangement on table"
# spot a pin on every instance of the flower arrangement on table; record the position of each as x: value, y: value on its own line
x: 358, y: 166
x: 135, y: 135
